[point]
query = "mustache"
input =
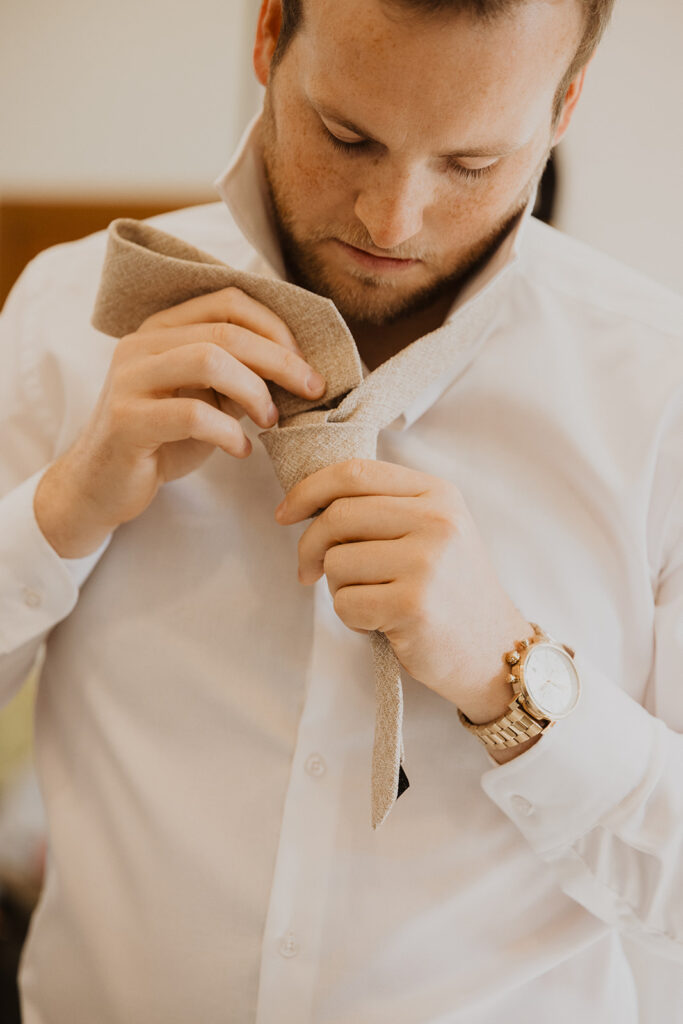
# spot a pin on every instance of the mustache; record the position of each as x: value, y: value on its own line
x: 359, y: 238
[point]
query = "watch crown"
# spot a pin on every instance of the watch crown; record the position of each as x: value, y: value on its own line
x: 524, y: 644
x: 512, y: 658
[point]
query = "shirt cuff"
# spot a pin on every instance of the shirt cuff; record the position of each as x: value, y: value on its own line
x: 581, y: 770
x: 38, y: 588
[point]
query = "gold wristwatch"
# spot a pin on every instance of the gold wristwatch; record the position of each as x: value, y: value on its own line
x: 546, y: 687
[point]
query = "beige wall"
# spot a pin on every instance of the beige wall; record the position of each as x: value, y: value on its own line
x: 152, y: 94
x: 623, y: 157
x: 132, y: 93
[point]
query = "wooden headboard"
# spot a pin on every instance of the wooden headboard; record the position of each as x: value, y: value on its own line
x: 30, y: 224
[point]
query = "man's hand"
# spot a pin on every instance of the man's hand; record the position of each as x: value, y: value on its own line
x: 403, y: 555
x: 176, y: 389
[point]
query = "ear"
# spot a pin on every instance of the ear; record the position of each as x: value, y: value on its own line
x: 267, y: 32
x: 571, y: 98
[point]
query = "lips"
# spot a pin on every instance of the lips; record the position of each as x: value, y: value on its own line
x: 374, y: 262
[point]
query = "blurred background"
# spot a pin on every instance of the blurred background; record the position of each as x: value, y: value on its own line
x: 133, y: 108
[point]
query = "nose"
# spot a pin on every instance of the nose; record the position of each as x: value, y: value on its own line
x: 391, y: 207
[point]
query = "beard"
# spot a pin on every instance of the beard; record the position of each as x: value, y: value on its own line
x: 362, y: 297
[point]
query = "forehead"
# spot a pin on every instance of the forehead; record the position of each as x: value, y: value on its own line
x: 407, y: 72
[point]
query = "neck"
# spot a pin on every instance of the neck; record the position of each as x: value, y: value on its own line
x: 377, y: 343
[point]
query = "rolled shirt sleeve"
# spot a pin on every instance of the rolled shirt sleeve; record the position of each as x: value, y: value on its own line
x: 600, y: 797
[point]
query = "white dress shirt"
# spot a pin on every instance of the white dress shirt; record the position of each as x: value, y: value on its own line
x: 204, y: 722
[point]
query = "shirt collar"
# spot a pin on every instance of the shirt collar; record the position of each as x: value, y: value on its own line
x: 243, y: 188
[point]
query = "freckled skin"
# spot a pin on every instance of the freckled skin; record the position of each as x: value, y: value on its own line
x: 424, y: 88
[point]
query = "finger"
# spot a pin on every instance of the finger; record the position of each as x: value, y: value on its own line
x: 160, y: 421
x: 228, y: 305
x: 262, y: 355
x: 353, y: 519
x: 350, y: 478
x: 370, y: 561
x: 204, y: 366
x: 367, y: 607
x: 227, y: 405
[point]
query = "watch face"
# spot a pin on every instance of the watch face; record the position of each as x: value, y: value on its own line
x: 551, y: 680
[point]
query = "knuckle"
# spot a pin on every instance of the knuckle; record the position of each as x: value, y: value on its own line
x: 289, y: 362
x: 330, y: 559
x: 442, y: 525
x: 124, y: 347
x: 219, y: 334
x: 338, y: 513
x: 149, y: 323
x: 340, y: 602
x: 356, y: 470
x: 444, y: 511
x: 422, y: 559
x: 232, y: 293
x: 254, y: 393
x: 208, y: 358
x: 193, y: 414
x: 413, y: 602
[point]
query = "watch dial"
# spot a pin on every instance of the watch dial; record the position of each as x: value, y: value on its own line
x: 551, y: 680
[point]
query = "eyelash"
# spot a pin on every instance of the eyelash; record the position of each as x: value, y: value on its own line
x: 356, y: 148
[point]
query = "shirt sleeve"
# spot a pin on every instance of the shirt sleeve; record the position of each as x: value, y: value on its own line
x: 600, y: 797
x: 37, y: 588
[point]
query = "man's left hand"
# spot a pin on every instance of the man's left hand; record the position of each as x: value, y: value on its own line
x: 403, y: 555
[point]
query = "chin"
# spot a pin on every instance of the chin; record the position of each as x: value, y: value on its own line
x: 371, y: 304
x: 364, y: 298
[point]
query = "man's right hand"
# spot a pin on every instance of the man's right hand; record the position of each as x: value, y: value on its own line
x: 176, y: 389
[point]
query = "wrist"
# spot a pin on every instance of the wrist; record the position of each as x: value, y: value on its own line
x: 492, y: 700
x: 545, y: 686
x: 492, y: 697
x: 59, y: 514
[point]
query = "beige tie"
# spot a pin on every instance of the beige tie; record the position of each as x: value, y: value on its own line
x: 146, y: 270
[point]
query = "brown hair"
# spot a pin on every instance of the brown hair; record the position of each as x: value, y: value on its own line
x: 596, y: 16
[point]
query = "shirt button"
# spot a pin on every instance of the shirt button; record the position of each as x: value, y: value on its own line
x: 521, y: 805
x: 315, y: 765
x: 31, y: 597
x: 288, y: 945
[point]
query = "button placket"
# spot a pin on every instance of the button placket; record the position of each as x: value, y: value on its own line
x: 315, y: 765
x: 298, y: 892
x: 288, y: 946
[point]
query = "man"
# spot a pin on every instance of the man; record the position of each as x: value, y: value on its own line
x: 205, y: 715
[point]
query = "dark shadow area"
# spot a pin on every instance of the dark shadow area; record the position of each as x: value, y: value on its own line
x: 14, y: 922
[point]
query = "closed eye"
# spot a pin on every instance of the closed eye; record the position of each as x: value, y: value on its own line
x: 340, y: 144
x: 361, y: 146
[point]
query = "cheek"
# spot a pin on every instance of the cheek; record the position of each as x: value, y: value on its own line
x: 479, y: 205
x: 312, y: 173
x: 318, y: 177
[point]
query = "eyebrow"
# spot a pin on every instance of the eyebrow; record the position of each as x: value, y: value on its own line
x: 501, y: 149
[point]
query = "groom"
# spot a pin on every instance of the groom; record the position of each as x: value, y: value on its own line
x: 205, y: 712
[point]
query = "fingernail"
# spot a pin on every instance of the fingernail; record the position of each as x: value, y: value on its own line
x: 272, y: 414
x: 315, y: 382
